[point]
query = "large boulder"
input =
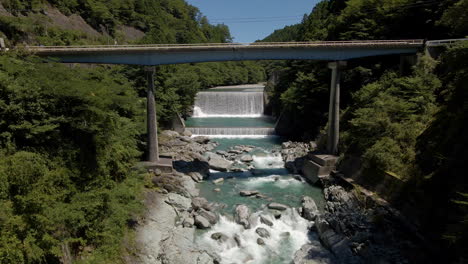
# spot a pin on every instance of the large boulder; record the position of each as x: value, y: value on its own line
x: 309, y: 208
x: 217, y: 162
x: 202, y: 222
x: 199, y: 202
x: 242, y: 215
x: 177, y: 201
x: 210, y: 216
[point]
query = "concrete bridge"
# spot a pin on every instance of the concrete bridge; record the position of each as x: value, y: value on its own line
x: 150, y: 55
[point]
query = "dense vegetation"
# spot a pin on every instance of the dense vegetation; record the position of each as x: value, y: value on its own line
x: 401, y: 123
x: 70, y: 136
x: 67, y: 144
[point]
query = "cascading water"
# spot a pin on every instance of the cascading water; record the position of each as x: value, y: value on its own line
x: 226, y: 107
x: 229, y: 104
x: 228, y: 116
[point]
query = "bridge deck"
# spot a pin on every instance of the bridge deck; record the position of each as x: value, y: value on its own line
x: 55, y: 50
x: 206, y: 52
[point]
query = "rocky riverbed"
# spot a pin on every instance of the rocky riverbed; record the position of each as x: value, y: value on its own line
x: 182, y: 227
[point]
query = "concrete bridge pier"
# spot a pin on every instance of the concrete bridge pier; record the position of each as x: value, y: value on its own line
x: 334, y: 107
x: 151, y: 122
x: 154, y: 161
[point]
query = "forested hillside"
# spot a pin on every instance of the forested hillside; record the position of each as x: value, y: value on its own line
x: 70, y: 135
x: 401, y: 127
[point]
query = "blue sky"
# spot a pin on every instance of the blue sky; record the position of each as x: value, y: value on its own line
x: 250, y: 20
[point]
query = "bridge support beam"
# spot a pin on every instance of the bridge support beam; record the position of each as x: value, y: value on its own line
x: 152, y: 124
x: 334, y: 107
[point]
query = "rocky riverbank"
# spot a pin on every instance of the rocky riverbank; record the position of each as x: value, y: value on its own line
x: 362, y: 229
x: 166, y: 234
x: 349, y: 229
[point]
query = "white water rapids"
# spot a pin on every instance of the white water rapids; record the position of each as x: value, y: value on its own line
x: 287, y: 235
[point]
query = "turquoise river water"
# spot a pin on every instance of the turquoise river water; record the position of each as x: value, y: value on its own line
x: 266, y: 175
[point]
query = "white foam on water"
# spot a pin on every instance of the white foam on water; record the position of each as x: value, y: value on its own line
x: 278, y: 181
x: 287, y: 235
x: 234, y: 136
x: 268, y: 161
x: 229, y: 104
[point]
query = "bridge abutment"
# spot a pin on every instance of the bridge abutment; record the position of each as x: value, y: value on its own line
x: 334, y: 107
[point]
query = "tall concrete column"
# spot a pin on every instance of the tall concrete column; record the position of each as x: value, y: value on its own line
x: 334, y: 107
x: 152, y: 125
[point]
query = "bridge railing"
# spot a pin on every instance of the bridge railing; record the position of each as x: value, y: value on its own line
x: 442, y: 42
x: 234, y: 45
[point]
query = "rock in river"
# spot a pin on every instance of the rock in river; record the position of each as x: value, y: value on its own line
x: 309, y: 208
x: 220, y: 237
x: 262, y: 232
x: 277, y: 206
x: 248, y: 193
x: 246, y: 158
x: 242, y: 215
x: 265, y: 221
x: 220, y: 180
x: 260, y: 241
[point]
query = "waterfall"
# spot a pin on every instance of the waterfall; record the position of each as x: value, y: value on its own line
x: 229, y: 104
x: 233, y: 111
x: 234, y: 131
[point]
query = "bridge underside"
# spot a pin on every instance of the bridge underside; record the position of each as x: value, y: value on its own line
x: 156, y: 57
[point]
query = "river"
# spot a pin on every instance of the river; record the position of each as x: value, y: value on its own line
x: 233, y: 116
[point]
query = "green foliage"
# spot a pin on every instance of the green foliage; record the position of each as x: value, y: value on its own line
x: 68, y: 142
x: 456, y: 18
x: 286, y: 34
x: 387, y: 116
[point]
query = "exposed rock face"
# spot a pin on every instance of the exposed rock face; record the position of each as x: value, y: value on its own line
x: 242, y: 215
x: 184, y: 148
x: 314, y: 253
x: 160, y: 239
x: 309, y: 208
x: 278, y: 206
x: 294, y: 154
x: 176, y: 183
x: 349, y: 229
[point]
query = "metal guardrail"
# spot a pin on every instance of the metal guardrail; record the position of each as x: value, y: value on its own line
x: 443, y: 42
x: 411, y: 42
